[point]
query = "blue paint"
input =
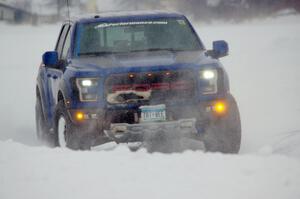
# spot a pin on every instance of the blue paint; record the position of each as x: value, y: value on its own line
x: 50, y: 58
x: 221, y: 48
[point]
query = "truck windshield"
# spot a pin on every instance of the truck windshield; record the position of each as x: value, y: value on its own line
x: 98, y: 38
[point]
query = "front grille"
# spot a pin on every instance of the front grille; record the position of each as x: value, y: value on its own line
x: 150, y: 86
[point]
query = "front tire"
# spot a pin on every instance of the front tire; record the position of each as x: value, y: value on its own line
x: 40, y: 124
x: 224, y: 134
x: 42, y: 130
x: 66, y: 132
x: 61, y: 132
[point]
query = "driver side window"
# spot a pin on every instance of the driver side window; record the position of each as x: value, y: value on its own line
x: 61, y: 41
x: 66, y: 47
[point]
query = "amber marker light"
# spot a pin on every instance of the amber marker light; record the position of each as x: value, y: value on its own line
x: 79, y: 116
x: 220, y: 107
x: 131, y: 75
x: 168, y: 73
x: 149, y: 74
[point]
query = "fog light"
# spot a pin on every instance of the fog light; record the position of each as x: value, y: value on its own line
x: 79, y: 116
x: 220, y: 107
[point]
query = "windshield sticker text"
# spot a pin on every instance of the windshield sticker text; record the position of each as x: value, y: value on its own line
x: 105, y: 25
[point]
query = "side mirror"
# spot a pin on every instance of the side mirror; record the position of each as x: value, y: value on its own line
x: 220, y: 49
x: 50, y: 58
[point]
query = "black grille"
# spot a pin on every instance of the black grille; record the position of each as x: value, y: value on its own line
x: 163, y: 86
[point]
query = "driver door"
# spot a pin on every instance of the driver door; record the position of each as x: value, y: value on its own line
x: 54, y: 74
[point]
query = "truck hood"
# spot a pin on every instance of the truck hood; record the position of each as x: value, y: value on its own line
x: 142, y: 59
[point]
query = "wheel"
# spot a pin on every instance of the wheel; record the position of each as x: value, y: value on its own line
x: 66, y: 132
x: 61, y: 131
x: 224, y: 133
x: 39, y: 120
x: 42, y: 130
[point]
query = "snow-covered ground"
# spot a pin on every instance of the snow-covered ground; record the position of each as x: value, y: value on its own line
x: 264, y: 70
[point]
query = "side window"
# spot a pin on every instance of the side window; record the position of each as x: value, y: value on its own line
x: 66, y: 46
x: 61, y: 40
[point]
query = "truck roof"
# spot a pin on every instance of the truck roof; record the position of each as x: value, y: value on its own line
x: 124, y: 15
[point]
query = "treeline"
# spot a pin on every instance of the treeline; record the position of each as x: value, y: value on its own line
x: 237, y: 10
x: 202, y: 10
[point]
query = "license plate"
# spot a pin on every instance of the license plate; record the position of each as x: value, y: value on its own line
x: 155, y: 113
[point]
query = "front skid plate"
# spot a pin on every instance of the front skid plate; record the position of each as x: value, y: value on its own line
x: 124, y: 133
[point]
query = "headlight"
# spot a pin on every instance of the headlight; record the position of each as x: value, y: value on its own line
x: 209, y: 81
x: 88, y: 89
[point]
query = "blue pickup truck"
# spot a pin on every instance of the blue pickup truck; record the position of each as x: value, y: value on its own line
x: 132, y: 77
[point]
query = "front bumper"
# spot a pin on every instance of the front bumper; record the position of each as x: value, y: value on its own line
x: 106, y: 125
x: 123, y: 132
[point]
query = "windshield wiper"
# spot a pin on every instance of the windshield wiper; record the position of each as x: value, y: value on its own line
x: 132, y: 51
x: 158, y: 49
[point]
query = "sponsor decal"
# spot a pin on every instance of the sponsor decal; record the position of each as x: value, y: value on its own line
x: 131, y: 23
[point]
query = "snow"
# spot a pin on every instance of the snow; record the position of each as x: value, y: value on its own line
x: 264, y: 71
x: 264, y: 74
x: 37, y: 172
